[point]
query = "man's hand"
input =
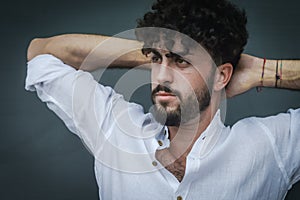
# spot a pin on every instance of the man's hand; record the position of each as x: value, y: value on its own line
x: 246, y: 75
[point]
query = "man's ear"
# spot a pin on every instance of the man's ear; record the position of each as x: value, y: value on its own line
x: 222, y: 76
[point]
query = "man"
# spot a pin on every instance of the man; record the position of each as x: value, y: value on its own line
x: 189, y: 154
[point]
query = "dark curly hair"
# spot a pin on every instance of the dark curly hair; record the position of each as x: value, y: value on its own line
x: 218, y: 25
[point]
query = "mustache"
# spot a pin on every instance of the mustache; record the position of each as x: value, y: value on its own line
x: 163, y: 88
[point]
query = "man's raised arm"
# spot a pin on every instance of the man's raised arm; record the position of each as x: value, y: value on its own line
x: 73, y: 49
x: 258, y: 72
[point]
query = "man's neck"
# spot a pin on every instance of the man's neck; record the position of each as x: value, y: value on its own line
x: 183, y: 137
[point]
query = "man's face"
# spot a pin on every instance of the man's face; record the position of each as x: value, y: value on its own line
x: 181, y: 84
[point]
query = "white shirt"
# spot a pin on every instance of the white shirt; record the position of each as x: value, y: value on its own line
x: 256, y: 159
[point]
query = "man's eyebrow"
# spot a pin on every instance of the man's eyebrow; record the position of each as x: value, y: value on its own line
x: 151, y: 50
x: 178, y: 54
x: 173, y: 54
x: 154, y: 51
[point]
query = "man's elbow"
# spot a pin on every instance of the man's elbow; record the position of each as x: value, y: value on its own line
x: 36, y: 47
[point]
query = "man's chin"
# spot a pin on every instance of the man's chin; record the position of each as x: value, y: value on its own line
x: 169, y: 115
x: 168, y: 106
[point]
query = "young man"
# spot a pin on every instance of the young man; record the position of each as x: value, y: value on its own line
x: 182, y: 150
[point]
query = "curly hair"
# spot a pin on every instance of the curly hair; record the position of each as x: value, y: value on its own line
x: 218, y: 25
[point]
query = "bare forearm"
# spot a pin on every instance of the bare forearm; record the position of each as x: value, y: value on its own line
x: 89, y: 52
x: 280, y: 73
x: 70, y: 48
x: 255, y: 72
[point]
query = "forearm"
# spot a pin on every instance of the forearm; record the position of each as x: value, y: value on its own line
x: 89, y: 52
x: 279, y: 73
x: 255, y: 72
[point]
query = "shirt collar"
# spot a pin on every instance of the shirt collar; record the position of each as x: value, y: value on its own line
x: 209, y: 138
x: 204, y: 144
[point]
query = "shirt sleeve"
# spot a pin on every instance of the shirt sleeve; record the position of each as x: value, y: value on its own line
x: 71, y: 94
x: 41, y: 71
x: 284, y: 132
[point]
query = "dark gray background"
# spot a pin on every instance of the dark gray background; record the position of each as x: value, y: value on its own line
x: 40, y: 158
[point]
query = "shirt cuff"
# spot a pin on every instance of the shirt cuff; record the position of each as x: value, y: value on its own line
x: 44, y: 68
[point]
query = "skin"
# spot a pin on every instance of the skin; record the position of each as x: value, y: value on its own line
x: 174, y: 72
x: 188, y: 77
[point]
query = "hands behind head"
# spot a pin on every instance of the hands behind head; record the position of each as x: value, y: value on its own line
x: 246, y: 75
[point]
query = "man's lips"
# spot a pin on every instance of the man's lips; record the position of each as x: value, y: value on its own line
x: 165, y: 96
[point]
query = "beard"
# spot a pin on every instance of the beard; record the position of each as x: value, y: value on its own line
x: 189, y: 107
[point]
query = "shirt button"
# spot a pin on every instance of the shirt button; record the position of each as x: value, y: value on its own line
x: 160, y: 143
x: 154, y: 163
x: 179, y: 198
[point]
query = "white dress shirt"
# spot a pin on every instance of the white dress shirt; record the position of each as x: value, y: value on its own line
x: 256, y: 159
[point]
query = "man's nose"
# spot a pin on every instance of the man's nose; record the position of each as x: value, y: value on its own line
x: 165, y: 72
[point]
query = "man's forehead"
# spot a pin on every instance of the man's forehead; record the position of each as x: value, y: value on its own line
x: 160, y: 40
x: 179, y: 48
x: 167, y: 42
x: 175, y: 47
x: 178, y: 44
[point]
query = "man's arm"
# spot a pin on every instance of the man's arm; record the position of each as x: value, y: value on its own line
x: 73, y: 49
x: 257, y: 72
x: 89, y: 52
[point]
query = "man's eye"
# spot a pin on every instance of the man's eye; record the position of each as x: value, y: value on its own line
x: 181, y: 61
x: 155, y: 59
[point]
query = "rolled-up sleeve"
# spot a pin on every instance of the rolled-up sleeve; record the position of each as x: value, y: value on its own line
x: 71, y: 94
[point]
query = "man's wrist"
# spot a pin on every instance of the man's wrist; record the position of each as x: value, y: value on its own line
x: 270, y: 72
x: 257, y: 71
x: 265, y: 72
